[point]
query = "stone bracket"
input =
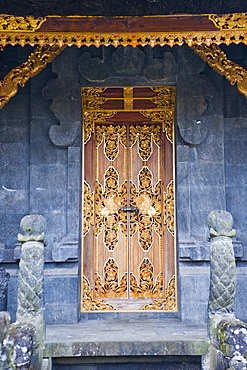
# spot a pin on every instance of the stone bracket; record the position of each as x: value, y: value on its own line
x: 65, y: 250
x: 190, y: 251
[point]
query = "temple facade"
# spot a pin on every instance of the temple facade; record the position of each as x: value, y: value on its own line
x: 124, y: 150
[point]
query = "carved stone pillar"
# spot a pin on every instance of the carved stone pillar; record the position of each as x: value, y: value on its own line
x: 222, y: 263
x: 30, y: 290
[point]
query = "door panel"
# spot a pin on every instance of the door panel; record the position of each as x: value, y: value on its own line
x: 128, y: 252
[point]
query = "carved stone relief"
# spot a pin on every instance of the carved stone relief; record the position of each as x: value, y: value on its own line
x: 65, y: 94
x: 127, y: 61
x: 193, y: 92
x: 129, y: 66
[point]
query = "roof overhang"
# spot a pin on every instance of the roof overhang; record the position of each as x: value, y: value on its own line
x: 123, y: 30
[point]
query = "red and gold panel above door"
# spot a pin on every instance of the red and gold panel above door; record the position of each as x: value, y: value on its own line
x: 128, y: 251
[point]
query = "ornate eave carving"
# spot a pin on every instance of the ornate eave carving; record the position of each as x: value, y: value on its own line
x: 124, y: 30
x: 217, y: 59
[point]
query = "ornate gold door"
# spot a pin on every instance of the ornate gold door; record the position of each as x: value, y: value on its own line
x: 128, y: 252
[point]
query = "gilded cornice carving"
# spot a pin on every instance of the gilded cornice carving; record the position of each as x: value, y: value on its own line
x: 217, y: 59
x: 13, y: 23
x: 159, y: 30
x: 229, y: 21
x: 21, y: 74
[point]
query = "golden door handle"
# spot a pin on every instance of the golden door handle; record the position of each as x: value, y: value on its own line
x: 130, y: 209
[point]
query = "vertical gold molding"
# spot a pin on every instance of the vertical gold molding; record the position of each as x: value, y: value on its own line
x: 128, y: 98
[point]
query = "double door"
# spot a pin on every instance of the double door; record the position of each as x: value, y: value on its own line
x: 128, y: 237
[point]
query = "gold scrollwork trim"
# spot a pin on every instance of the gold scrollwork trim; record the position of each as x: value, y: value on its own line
x: 91, y: 118
x: 88, y: 208
x: 229, y: 21
x: 91, y: 97
x: 13, y: 23
x: 134, y: 39
x: 167, y: 304
x: 165, y: 118
x: 37, y: 61
x: 217, y: 59
x: 88, y: 303
x: 169, y: 207
x: 111, y: 135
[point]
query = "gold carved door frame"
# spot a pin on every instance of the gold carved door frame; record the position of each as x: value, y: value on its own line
x: 128, y: 211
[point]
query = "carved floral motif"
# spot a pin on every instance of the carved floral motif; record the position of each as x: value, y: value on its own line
x: 13, y: 23
x: 229, y: 21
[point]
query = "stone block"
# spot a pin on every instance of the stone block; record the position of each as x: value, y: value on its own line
x: 207, y: 174
x: 47, y: 200
x: 183, y: 174
x: 74, y: 176
x: 65, y: 249
x: 183, y: 198
x: 235, y: 128
x: 241, y: 293
x: 198, y: 222
x: 14, y: 154
x: 193, y: 252
x: 39, y: 128
x: 236, y: 151
x: 14, y: 134
x: 194, y: 293
x: 42, y: 153
x: 207, y: 198
x: 183, y: 153
x: 9, y: 224
x: 61, y: 313
x: 73, y: 220
x: 18, y: 106
x: 212, y: 148
x: 231, y: 106
x: 74, y: 155
x: 236, y: 175
x: 14, y: 200
x: 48, y: 176
x: 14, y: 177
x: 74, y: 199
x: 184, y: 223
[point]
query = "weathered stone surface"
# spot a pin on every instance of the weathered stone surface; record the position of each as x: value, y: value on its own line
x: 128, y: 60
x: 160, y: 68
x: 94, y: 69
x: 192, y: 91
x: 33, y: 228
x: 23, y: 336
x: 223, y: 269
x: 232, y: 338
x: 4, y: 281
x: 7, y: 352
x: 67, y: 89
x: 65, y: 249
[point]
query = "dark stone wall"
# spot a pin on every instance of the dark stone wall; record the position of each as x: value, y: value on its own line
x: 40, y: 164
